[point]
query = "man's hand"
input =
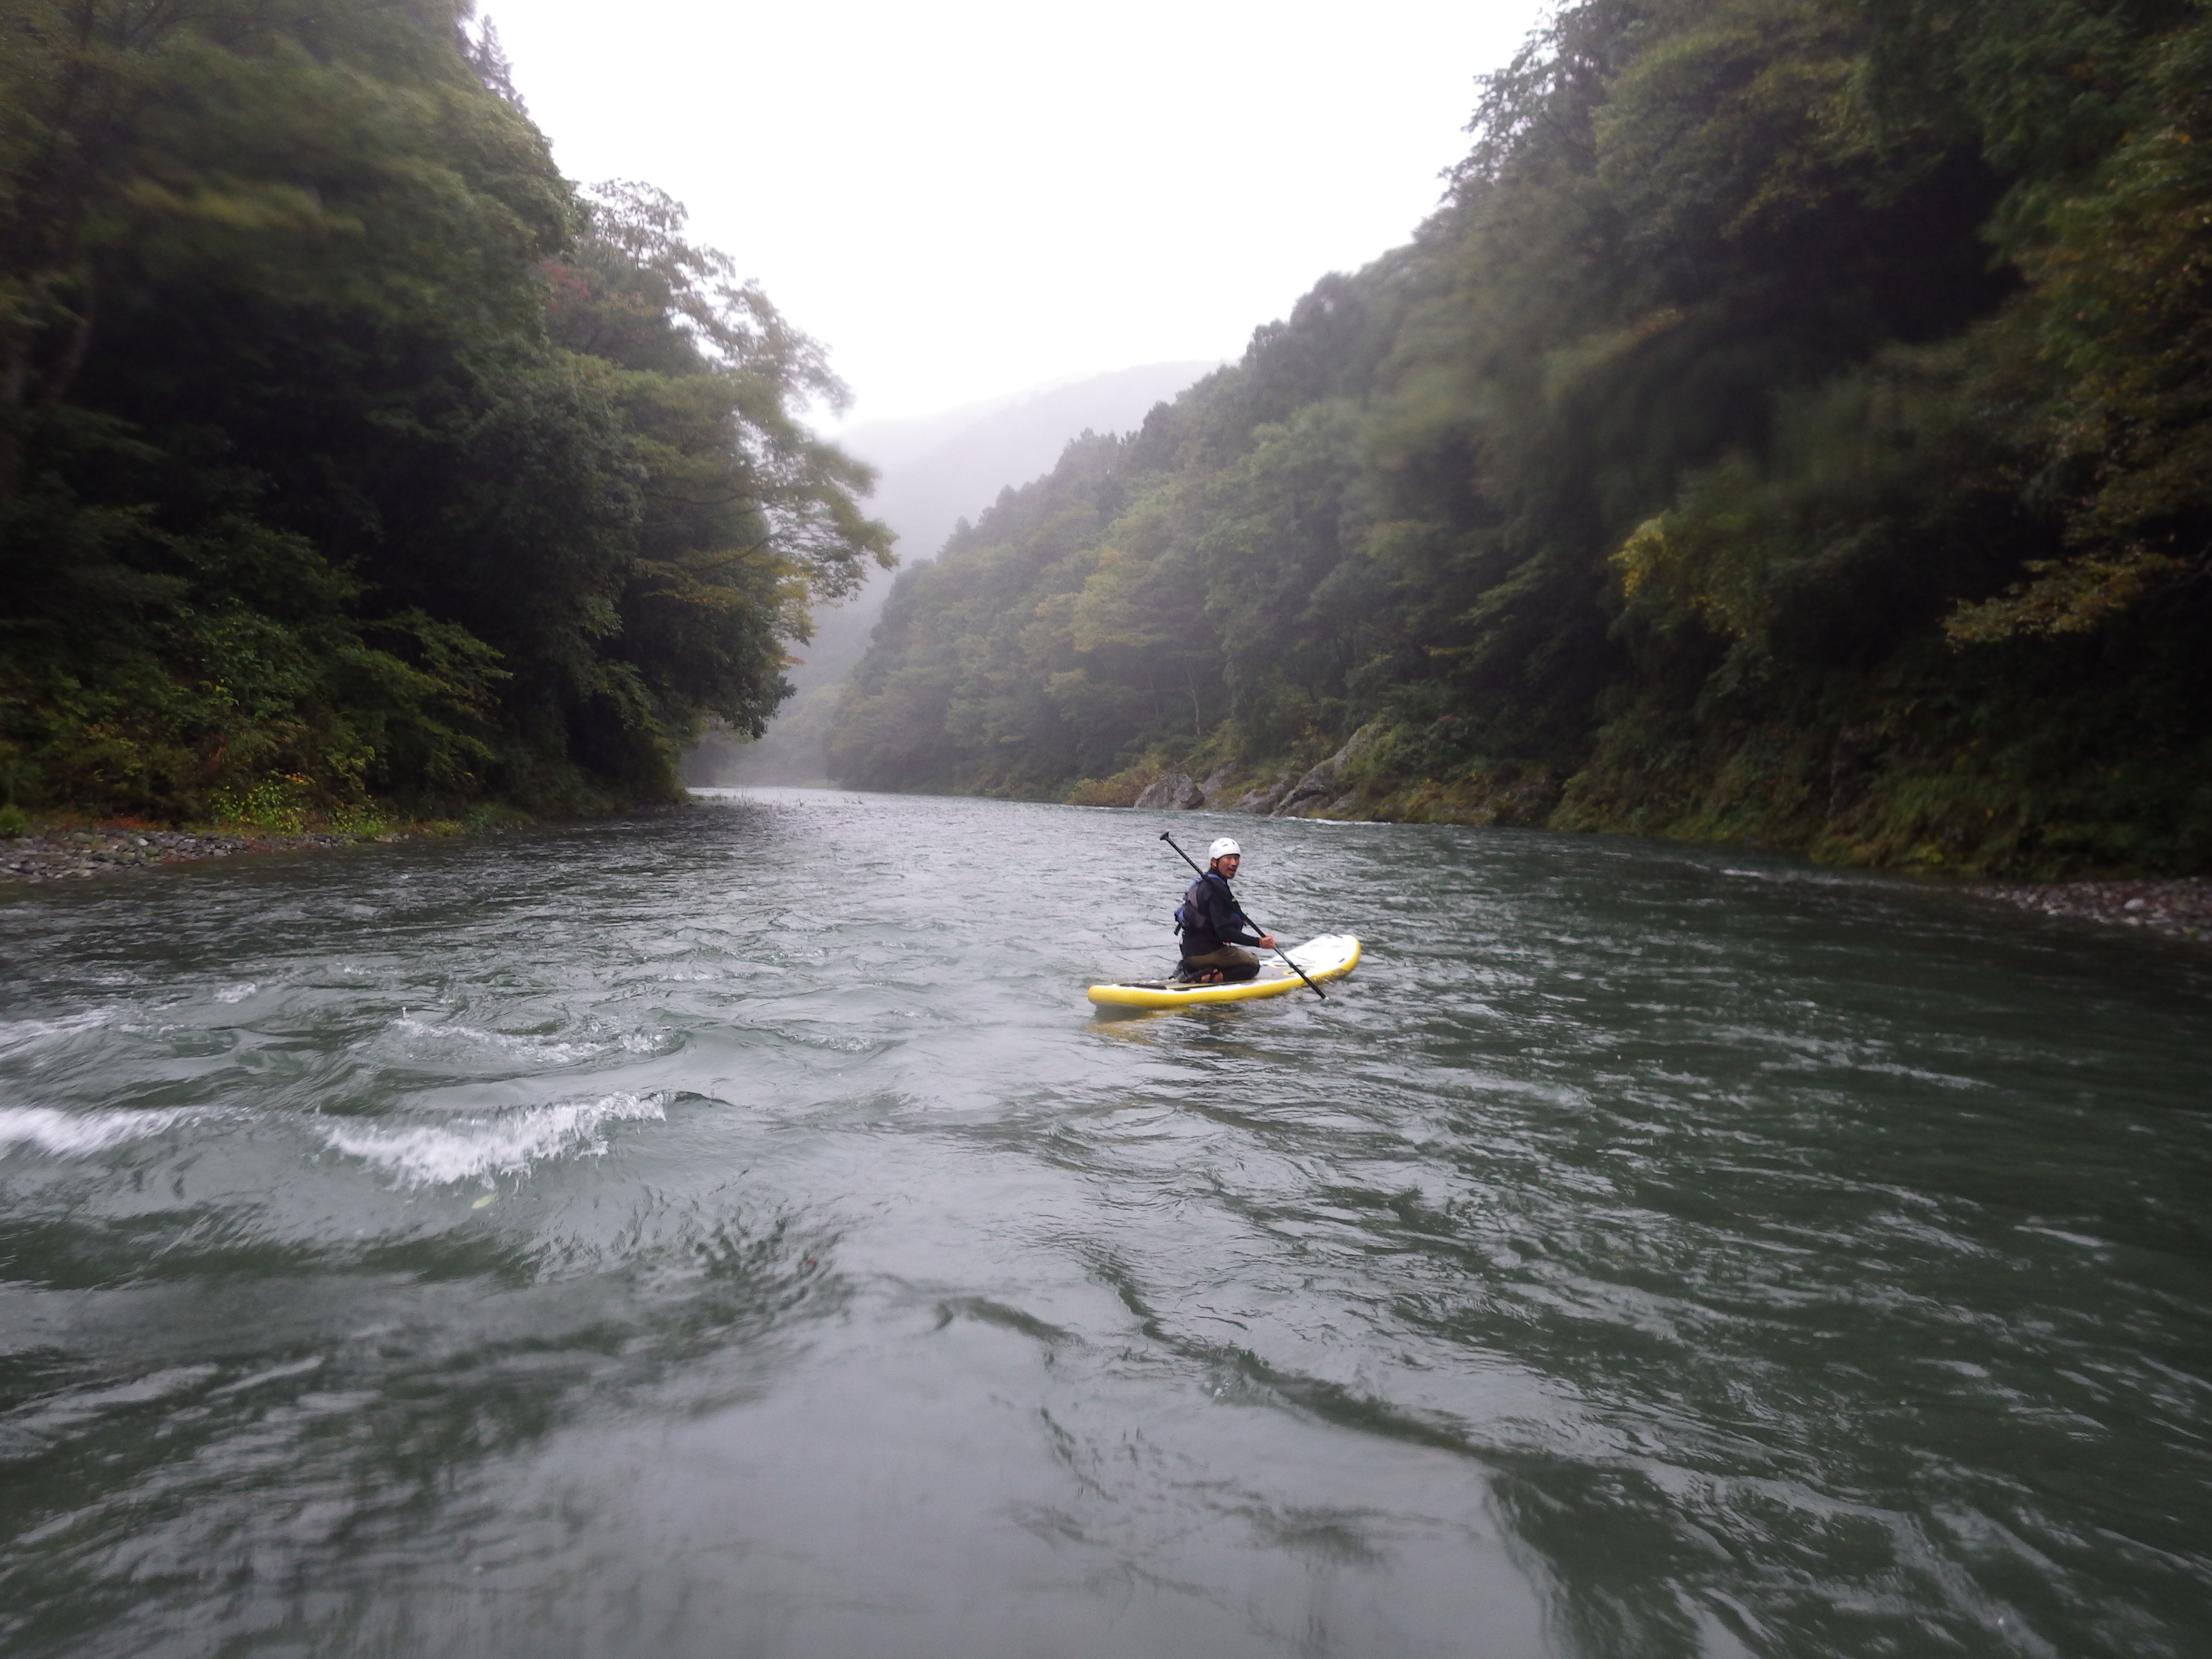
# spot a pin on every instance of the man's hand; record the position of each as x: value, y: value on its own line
x: 1266, y: 941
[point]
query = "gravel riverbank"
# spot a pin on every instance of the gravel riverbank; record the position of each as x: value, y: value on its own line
x: 2182, y: 909
x: 70, y: 855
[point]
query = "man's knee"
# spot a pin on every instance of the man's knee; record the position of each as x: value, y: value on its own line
x: 1232, y: 961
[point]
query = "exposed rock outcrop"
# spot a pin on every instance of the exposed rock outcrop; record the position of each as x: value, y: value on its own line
x: 1173, y: 789
x: 1262, y: 801
x: 1321, y: 794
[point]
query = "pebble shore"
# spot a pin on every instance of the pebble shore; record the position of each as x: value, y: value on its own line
x: 2181, y: 909
x: 71, y: 854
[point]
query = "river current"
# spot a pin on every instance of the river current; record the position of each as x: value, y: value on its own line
x: 730, y: 1232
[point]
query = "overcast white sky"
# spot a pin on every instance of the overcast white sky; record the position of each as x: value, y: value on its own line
x: 969, y: 198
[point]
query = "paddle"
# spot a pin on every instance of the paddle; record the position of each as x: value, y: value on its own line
x: 1287, y: 962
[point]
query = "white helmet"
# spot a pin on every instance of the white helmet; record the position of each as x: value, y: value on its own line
x: 1224, y: 848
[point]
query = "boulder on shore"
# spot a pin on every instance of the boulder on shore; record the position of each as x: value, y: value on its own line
x: 1261, y: 802
x: 1320, y: 793
x: 1173, y: 789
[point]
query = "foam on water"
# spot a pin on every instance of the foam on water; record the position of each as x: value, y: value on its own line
x: 1628, y: 1259
x: 550, y: 1051
x: 22, y: 1033
x: 479, y: 1148
x: 73, y: 1134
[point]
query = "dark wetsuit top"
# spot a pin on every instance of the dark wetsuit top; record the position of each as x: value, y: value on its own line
x: 1219, y: 922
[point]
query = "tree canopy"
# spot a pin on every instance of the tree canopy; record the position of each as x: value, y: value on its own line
x: 348, y: 453
x: 1793, y: 424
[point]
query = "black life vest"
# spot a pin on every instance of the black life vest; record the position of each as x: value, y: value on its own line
x: 1190, y: 916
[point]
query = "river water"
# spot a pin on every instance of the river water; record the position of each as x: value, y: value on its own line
x: 730, y: 1233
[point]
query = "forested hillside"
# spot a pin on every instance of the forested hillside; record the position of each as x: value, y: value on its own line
x: 352, y: 460
x: 931, y: 472
x: 1796, y: 424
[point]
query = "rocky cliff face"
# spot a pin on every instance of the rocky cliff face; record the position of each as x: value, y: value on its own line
x: 1357, y: 782
x: 1175, y: 790
x: 1322, y: 791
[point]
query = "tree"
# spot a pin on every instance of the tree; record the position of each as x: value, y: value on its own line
x: 343, y: 444
x: 1792, y: 424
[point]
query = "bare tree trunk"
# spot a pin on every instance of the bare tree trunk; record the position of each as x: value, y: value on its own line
x: 22, y: 410
x: 65, y: 372
x: 15, y: 382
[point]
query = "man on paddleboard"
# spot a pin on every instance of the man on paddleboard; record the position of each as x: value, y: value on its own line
x: 1213, y: 929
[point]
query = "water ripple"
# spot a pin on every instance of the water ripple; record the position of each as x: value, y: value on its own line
x: 729, y: 1230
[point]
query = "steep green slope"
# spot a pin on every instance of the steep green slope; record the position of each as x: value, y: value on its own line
x: 351, y: 457
x: 1792, y: 427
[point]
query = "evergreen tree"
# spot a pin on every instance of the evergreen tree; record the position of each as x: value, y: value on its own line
x: 1792, y: 425
x: 348, y: 453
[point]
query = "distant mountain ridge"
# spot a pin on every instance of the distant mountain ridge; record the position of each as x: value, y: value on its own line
x: 923, y: 496
x: 936, y: 470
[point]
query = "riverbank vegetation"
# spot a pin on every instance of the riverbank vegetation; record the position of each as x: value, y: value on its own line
x: 353, y: 465
x: 1795, y: 425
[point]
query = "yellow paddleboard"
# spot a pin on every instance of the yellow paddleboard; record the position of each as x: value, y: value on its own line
x: 1332, y: 955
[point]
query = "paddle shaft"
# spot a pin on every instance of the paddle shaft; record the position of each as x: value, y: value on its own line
x: 1287, y: 962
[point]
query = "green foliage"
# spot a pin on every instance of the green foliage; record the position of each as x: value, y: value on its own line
x: 275, y: 805
x: 342, y: 443
x: 1795, y: 425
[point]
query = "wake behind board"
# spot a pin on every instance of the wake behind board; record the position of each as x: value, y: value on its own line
x: 1332, y: 955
